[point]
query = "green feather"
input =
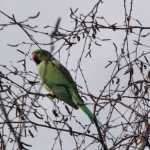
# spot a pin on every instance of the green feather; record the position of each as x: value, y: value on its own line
x: 57, y: 80
x: 79, y: 102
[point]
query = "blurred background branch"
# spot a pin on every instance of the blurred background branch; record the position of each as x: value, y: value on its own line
x: 122, y: 104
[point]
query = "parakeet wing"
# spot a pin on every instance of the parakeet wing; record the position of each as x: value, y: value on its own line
x: 57, y: 81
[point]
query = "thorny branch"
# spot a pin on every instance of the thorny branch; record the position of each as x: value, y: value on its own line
x: 124, y: 99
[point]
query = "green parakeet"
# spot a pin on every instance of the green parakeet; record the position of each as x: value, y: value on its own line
x: 58, y: 81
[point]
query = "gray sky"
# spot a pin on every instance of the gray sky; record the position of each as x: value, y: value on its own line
x: 52, y: 9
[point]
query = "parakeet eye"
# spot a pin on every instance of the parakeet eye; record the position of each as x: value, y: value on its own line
x: 36, y: 58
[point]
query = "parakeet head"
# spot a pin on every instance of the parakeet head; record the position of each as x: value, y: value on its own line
x: 40, y: 55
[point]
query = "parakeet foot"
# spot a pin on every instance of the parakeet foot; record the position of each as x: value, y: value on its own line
x: 51, y: 95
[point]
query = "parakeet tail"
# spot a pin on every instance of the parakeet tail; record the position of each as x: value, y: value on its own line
x: 79, y: 102
x: 93, y: 119
x: 86, y: 110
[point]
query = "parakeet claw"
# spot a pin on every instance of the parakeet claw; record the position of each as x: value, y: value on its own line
x: 51, y: 95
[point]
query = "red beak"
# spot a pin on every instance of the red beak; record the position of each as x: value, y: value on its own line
x: 34, y: 57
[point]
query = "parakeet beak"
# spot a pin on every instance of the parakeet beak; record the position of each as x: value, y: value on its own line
x: 35, y: 58
x: 33, y: 55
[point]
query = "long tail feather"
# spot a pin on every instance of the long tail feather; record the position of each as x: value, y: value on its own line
x: 79, y: 102
x: 93, y: 118
x: 86, y: 110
